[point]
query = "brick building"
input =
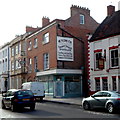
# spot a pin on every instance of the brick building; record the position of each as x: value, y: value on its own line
x: 57, y: 53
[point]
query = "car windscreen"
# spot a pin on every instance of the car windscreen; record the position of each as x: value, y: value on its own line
x: 24, y: 93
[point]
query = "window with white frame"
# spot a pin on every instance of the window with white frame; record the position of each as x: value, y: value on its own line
x: 35, y: 63
x: 16, y: 50
x: 82, y: 19
x: 29, y: 45
x: 12, y: 65
x: 45, y: 38
x: 114, y: 58
x: 13, y: 51
x: 46, y: 61
x: 97, y: 57
x: 30, y: 64
x: 35, y: 43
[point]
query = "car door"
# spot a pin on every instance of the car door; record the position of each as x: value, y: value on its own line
x: 96, y: 100
x: 105, y: 97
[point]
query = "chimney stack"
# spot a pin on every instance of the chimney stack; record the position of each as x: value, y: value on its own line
x: 45, y: 21
x: 110, y: 10
x: 30, y: 29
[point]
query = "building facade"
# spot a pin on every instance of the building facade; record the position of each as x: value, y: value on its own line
x: 5, y: 67
x: 57, y: 53
x: 105, y: 54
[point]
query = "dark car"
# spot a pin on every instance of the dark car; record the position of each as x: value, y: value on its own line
x: 109, y: 100
x: 16, y: 99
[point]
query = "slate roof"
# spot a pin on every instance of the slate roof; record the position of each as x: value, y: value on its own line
x: 108, y: 28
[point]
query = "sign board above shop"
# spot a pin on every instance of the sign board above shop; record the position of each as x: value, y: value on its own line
x: 65, y: 49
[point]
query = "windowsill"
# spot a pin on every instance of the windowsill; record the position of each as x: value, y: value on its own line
x: 44, y: 43
x: 98, y: 69
x: 113, y: 68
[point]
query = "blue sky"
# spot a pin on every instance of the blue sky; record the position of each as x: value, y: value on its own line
x: 17, y: 14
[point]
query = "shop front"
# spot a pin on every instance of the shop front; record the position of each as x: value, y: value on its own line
x: 62, y: 83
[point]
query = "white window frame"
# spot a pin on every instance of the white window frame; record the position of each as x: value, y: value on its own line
x: 96, y: 61
x: 35, y: 63
x: 12, y: 51
x: 29, y: 45
x: 97, y: 84
x: 16, y: 49
x: 12, y: 65
x: 30, y: 64
x: 82, y: 19
x: 113, y: 58
x: 46, y: 37
x: 35, y: 43
x: 46, y: 61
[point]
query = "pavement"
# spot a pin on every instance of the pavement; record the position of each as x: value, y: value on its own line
x: 73, y: 101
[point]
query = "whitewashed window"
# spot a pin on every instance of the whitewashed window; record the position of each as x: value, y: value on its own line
x: 82, y: 19
x: 46, y: 61
x: 114, y: 58
x: 35, y: 43
x: 45, y: 38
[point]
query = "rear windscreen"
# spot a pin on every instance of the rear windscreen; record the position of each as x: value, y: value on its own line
x: 24, y: 93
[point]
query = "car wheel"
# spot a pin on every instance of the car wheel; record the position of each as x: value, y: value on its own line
x: 3, y: 105
x: 110, y: 108
x: 32, y: 107
x: 86, y: 106
x: 13, y: 108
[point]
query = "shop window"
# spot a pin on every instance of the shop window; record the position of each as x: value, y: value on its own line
x: 72, y: 85
x: 105, y: 83
x: 114, y: 58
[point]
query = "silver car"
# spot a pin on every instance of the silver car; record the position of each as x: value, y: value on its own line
x: 109, y: 100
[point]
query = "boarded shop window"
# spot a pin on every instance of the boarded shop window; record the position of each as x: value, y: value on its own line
x: 72, y: 85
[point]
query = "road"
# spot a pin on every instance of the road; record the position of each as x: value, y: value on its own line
x: 55, y: 110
